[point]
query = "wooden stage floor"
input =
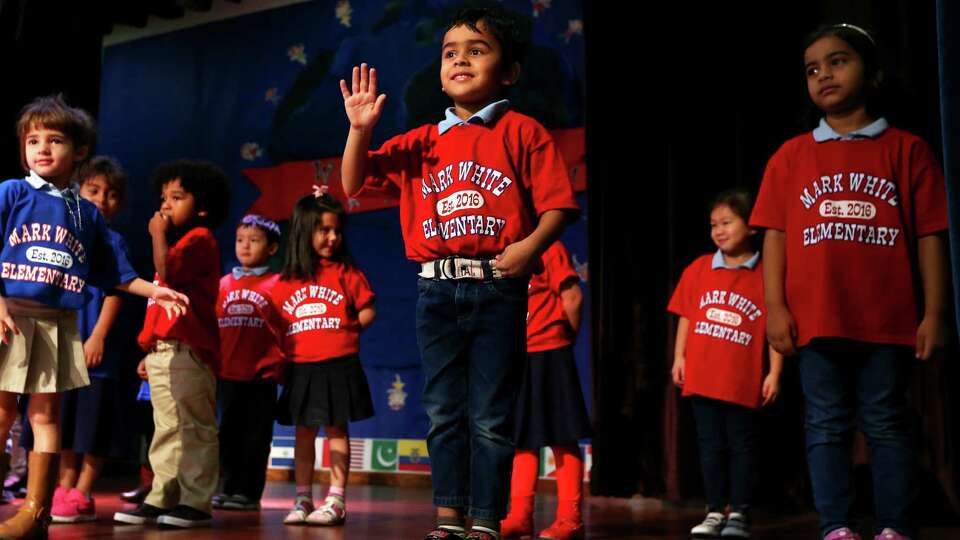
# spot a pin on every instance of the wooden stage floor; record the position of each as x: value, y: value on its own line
x: 385, y: 512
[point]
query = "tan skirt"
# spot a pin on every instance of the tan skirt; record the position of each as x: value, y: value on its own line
x: 47, y: 355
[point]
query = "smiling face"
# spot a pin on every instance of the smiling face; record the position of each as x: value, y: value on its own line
x: 51, y: 154
x: 729, y: 231
x: 471, y: 67
x: 835, y: 75
x: 327, y: 235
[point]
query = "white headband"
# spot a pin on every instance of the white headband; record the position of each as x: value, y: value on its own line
x: 857, y: 29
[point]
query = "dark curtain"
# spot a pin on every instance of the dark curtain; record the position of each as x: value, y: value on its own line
x: 684, y: 101
x: 46, y: 47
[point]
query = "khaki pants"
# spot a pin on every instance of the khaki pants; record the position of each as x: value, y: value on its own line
x: 184, y: 451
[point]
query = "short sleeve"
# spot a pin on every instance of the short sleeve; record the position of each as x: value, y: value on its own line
x: 191, y: 258
x: 681, y: 303
x: 358, y: 288
x: 560, y: 270
x: 396, y: 162
x: 271, y: 312
x: 929, y: 192
x: 111, y: 264
x: 9, y: 193
x: 549, y: 178
x: 769, y: 211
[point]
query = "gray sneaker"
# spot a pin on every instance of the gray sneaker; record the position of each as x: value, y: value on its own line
x: 240, y: 502
x: 737, y: 526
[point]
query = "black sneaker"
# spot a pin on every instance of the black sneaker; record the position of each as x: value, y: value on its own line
x: 143, y: 514
x: 482, y: 535
x: 185, y: 517
x: 238, y: 502
x: 444, y: 534
x: 136, y: 495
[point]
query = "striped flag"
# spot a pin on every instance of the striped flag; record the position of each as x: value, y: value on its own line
x: 281, y: 453
x: 413, y: 455
x: 359, y: 454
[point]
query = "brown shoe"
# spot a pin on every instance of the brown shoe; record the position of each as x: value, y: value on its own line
x: 33, y: 518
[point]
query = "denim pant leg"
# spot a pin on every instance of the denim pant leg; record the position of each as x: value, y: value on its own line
x: 882, y: 397
x: 712, y: 439
x: 742, y: 445
x: 829, y: 394
x: 497, y: 357
x: 442, y: 352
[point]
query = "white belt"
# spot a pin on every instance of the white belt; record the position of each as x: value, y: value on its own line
x: 460, y: 268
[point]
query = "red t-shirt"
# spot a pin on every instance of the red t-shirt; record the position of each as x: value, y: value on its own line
x: 473, y: 190
x: 317, y: 320
x: 193, y: 268
x: 547, y: 325
x: 248, y: 349
x: 726, y: 339
x: 852, y: 212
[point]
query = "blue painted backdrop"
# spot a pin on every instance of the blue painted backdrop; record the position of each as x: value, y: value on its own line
x: 262, y: 89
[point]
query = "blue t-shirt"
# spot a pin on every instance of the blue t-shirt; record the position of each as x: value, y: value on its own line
x: 53, y: 248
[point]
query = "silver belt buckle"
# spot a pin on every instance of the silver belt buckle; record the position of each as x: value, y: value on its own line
x: 467, y: 269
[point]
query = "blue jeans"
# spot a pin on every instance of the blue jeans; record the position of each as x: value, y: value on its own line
x: 472, y: 338
x: 845, y: 381
x: 727, y: 440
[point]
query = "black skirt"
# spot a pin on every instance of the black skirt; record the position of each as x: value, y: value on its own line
x: 550, y: 407
x: 326, y: 393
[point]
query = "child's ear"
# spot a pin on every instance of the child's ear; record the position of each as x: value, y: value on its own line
x: 202, y: 213
x: 511, y: 74
x: 272, y: 250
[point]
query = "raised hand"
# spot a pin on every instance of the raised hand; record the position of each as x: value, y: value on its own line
x: 363, y: 105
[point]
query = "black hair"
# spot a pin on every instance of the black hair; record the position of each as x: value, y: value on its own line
x: 300, y: 260
x: 205, y: 181
x: 111, y: 171
x: 509, y: 29
x: 863, y: 42
x: 740, y: 201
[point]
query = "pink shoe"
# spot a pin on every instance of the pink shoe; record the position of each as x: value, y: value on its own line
x: 72, y: 507
x: 842, y: 533
x: 890, y: 534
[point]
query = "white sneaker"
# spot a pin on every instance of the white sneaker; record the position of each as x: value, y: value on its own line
x: 711, y: 527
x: 298, y: 514
x: 333, y: 511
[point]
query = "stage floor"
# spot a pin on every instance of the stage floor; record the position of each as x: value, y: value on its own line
x: 384, y: 512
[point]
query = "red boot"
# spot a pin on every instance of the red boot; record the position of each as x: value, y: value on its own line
x: 519, y: 522
x: 523, y: 485
x: 569, y: 523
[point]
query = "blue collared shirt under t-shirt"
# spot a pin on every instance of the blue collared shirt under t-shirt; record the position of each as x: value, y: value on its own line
x: 485, y: 116
x: 824, y: 132
x: 719, y: 262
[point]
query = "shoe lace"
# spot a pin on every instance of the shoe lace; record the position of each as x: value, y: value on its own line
x: 713, y: 520
x: 333, y: 507
x: 303, y: 505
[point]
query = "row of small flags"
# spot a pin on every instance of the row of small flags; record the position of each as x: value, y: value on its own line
x: 395, y: 456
